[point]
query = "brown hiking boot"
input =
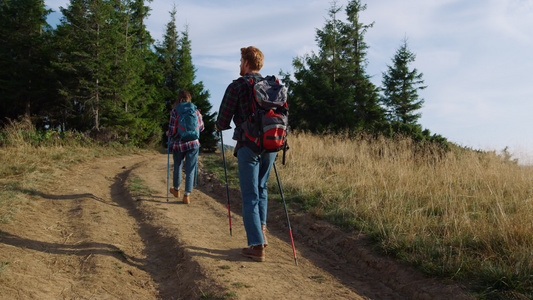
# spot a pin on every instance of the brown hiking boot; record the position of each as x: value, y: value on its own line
x: 256, y: 253
x: 186, y: 199
x: 174, y: 192
x: 264, y: 228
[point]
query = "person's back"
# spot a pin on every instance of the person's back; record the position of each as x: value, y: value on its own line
x: 187, y: 126
x: 254, y: 168
x: 185, y: 142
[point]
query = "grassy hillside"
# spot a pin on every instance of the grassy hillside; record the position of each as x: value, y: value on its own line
x: 462, y: 214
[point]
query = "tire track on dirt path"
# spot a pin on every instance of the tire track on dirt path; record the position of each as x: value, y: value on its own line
x: 78, y: 240
x: 165, y: 261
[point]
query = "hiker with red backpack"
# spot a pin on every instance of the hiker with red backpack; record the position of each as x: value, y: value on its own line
x: 259, y: 111
x: 184, y: 132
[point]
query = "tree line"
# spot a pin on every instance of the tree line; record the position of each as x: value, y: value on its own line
x: 100, y: 71
x: 330, y: 91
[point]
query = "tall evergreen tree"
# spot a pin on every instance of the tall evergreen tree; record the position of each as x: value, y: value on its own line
x: 86, y: 46
x: 179, y: 73
x: 318, y: 99
x: 124, y: 77
x: 150, y: 108
x: 332, y: 90
x: 103, y: 52
x: 186, y: 80
x: 134, y: 112
x: 400, y: 87
x: 167, y: 52
x: 368, y: 112
x: 26, y: 80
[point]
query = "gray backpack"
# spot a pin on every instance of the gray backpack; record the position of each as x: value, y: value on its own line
x: 267, y: 126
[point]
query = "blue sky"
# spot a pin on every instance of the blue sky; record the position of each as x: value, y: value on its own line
x: 476, y: 55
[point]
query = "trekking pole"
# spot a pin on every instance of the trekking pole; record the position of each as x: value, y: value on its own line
x: 287, y: 213
x: 168, y: 165
x: 226, y: 176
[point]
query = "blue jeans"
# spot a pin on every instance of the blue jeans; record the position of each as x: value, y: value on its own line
x: 254, y: 170
x: 191, y: 160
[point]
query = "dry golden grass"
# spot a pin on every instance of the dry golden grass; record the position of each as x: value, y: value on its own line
x: 462, y: 214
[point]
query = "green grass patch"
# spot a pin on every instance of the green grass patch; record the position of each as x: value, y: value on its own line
x: 215, y: 164
x: 136, y: 186
x: 318, y: 278
x: 230, y: 295
x: 3, y: 266
x: 240, y: 285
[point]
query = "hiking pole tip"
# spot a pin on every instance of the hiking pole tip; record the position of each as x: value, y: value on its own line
x: 286, y: 213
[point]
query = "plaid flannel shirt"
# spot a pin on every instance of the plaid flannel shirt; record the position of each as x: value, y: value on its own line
x: 178, y: 145
x: 235, y: 102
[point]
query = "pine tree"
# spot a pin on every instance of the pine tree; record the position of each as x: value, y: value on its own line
x: 186, y: 81
x: 368, y: 112
x: 86, y: 44
x: 135, y: 110
x: 124, y: 76
x: 168, y: 61
x: 26, y: 80
x: 318, y: 101
x: 331, y: 90
x: 175, y: 57
x: 150, y: 109
x: 401, y: 86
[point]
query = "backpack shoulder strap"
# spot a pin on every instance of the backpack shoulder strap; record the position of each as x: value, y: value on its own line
x: 250, y: 83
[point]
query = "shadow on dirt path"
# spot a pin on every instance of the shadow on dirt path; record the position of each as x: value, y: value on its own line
x: 165, y: 261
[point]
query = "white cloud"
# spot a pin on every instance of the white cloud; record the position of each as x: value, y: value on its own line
x: 513, y: 19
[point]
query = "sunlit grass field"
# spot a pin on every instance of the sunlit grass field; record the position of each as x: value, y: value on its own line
x: 460, y: 214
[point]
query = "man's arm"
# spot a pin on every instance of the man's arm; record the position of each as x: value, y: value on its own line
x: 228, y: 108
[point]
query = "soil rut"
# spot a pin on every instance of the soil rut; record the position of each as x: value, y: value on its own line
x: 87, y: 237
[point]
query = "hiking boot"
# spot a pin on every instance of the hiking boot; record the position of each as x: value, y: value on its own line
x: 186, y: 199
x: 174, y: 192
x: 264, y: 228
x: 256, y: 253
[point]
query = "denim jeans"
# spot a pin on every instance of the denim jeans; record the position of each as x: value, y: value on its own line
x: 191, y: 160
x: 254, y: 170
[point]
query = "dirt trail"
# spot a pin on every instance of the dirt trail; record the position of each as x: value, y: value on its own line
x: 88, y: 238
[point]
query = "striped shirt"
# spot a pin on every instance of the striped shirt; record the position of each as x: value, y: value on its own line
x: 178, y: 145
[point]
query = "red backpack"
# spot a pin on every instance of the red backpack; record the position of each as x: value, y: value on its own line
x: 267, y: 126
